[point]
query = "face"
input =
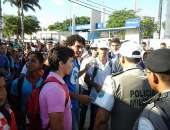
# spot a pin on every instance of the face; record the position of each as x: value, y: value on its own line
x: 162, y: 46
x: 143, y: 46
x: 151, y: 78
x: 3, y: 49
x: 78, y: 49
x: 3, y: 93
x: 67, y: 67
x: 33, y: 63
x: 103, y: 52
x: 94, y: 52
x: 49, y: 46
x: 115, y: 46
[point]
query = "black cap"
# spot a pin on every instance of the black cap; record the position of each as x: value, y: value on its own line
x: 158, y: 61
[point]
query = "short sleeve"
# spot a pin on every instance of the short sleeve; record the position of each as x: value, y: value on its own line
x: 105, y: 98
x: 55, y: 98
x: 145, y: 124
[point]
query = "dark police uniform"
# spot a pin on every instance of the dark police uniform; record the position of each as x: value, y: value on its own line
x: 129, y: 90
x: 156, y: 116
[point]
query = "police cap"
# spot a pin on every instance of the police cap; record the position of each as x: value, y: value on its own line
x: 159, y: 61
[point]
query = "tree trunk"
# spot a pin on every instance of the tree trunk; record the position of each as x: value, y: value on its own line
x: 22, y: 21
x: 19, y: 24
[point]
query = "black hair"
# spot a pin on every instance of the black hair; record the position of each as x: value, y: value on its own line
x: 2, y: 74
x: 133, y: 60
x: 58, y: 54
x: 115, y: 40
x: 38, y: 55
x: 73, y: 38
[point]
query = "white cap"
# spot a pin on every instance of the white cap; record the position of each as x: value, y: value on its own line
x: 130, y: 49
x: 103, y: 44
x: 93, y: 45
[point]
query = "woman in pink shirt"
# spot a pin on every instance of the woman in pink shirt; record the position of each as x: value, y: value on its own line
x: 55, y: 105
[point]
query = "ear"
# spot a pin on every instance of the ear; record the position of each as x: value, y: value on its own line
x: 123, y: 59
x: 155, y: 78
x: 61, y: 63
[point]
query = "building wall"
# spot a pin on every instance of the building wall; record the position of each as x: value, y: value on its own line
x: 167, y: 23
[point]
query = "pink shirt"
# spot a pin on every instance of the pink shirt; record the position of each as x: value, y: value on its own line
x: 52, y: 99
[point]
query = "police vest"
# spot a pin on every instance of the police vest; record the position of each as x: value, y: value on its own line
x: 158, y: 112
x: 132, y: 89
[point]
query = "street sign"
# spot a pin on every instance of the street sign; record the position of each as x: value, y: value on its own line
x: 135, y: 22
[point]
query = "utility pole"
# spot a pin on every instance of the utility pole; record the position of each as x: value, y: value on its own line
x: 0, y: 22
x: 167, y: 22
x: 160, y: 18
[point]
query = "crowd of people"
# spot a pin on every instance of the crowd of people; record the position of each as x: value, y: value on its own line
x: 123, y: 86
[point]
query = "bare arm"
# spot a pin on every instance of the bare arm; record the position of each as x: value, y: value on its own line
x: 91, y: 83
x: 56, y: 121
x: 102, y: 118
x: 84, y: 99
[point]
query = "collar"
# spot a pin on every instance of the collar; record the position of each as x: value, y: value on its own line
x: 52, y: 74
x: 99, y: 62
x: 132, y: 66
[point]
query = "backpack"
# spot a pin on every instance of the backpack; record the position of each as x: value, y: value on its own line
x: 33, y: 108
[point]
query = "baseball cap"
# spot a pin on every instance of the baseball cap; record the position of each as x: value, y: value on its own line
x: 158, y: 61
x: 130, y: 49
x: 103, y: 44
x: 93, y: 45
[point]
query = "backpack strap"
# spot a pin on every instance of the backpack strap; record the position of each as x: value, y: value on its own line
x: 63, y: 86
x: 110, y: 65
x: 19, y: 89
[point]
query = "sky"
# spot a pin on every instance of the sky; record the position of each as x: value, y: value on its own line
x: 59, y: 10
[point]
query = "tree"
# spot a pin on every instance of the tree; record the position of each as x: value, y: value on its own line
x: 10, y: 25
x: 64, y: 26
x: 118, y: 18
x: 148, y: 27
x: 23, y: 5
x: 31, y: 24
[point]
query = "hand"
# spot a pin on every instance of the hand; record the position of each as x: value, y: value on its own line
x: 84, y: 99
x: 87, y: 66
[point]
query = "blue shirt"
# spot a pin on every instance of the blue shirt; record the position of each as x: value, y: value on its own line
x: 27, y: 89
x: 72, y: 82
x: 4, y: 62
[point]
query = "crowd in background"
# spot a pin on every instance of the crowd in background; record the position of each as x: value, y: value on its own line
x: 70, y: 77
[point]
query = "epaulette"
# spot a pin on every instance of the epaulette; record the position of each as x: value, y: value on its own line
x: 117, y: 73
x: 154, y: 98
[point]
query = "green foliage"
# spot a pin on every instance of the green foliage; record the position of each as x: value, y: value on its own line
x: 11, y: 25
x: 63, y: 26
x: 118, y: 18
x: 27, y: 4
x: 148, y: 27
x: 31, y: 24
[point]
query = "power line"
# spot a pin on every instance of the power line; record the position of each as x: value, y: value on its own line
x: 89, y: 7
x: 101, y: 5
x: 93, y: 6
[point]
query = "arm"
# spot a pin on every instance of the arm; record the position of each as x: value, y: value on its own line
x: 91, y: 83
x: 84, y: 70
x: 84, y: 99
x: 56, y: 121
x: 102, y: 118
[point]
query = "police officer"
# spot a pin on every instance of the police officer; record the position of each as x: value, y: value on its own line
x: 156, y: 116
x: 122, y: 94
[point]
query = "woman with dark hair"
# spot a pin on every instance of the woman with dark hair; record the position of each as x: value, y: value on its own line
x: 7, y: 118
x: 22, y: 87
